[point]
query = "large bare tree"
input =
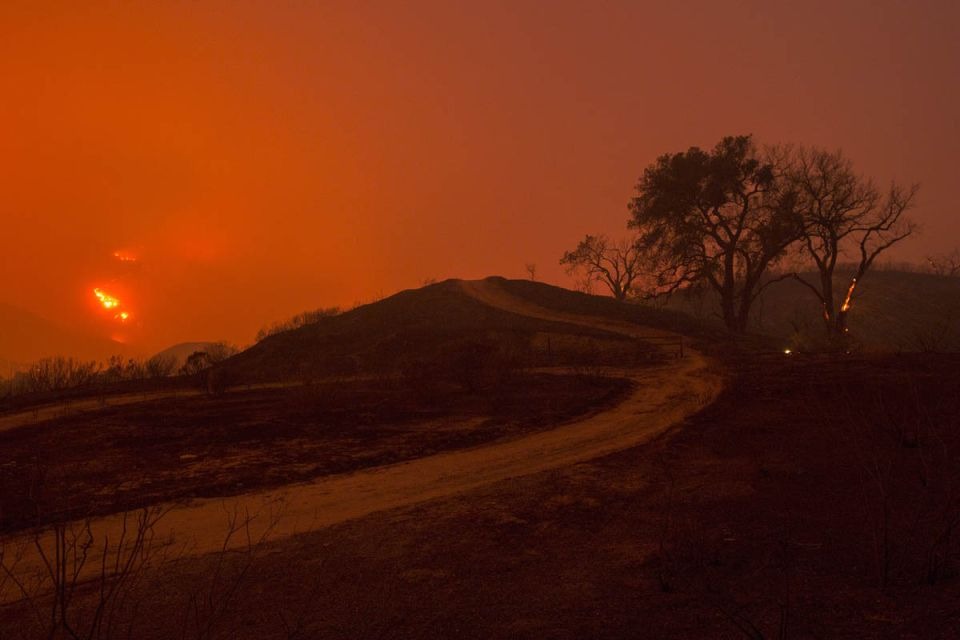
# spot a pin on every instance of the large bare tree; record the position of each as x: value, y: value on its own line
x: 846, y: 218
x: 599, y: 259
x: 722, y: 217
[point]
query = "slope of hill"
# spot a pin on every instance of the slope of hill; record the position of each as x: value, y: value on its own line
x: 892, y: 311
x: 568, y: 301
x: 26, y: 337
x: 399, y: 331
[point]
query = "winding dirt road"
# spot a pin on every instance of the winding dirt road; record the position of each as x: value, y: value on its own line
x: 663, y: 396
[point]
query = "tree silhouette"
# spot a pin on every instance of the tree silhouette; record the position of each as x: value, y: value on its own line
x: 945, y: 264
x: 196, y: 362
x: 615, y: 264
x: 722, y: 217
x: 844, y: 212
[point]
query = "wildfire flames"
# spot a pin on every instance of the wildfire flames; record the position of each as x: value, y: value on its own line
x: 848, y: 301
x: 109, y: 302
x: 118, y: 310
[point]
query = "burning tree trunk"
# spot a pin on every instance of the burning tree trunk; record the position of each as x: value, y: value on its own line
x: 843, y: 211
x: 841, y: 322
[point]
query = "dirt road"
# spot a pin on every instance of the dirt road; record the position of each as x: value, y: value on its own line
x: 38, y: 414
x: 664, y: 395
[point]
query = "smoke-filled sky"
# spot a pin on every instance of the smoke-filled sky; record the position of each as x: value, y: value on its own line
x: 262, y: 158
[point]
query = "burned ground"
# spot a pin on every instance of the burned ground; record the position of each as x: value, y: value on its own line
x: 818, y: 496
x: 760, y: 513
x: 176, y: 448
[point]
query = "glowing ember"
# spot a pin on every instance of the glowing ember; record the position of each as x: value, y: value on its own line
x: 848, y: 301
x: 122, y: 316
x: 108, y: 301
x: 123, y: 256
x: 787, y: 351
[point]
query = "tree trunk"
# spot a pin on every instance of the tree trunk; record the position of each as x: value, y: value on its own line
x: 743, y: 318
x: 840, y: 326
x: 728, y: 305
x: 826, y: 299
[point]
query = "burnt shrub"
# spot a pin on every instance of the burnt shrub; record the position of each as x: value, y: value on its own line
x: 216, y: 381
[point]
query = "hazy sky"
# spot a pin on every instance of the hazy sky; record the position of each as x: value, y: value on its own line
x: 264, y: 158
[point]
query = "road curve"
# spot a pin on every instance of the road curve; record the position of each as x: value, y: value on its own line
x: 664, y: 395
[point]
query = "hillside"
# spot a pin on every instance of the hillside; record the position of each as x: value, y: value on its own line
x: 412, y: 327
x: 893, y: 311
x: 26, y: 337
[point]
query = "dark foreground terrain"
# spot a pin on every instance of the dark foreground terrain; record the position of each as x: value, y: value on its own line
x: 125, y: 457
x: 816, y: 498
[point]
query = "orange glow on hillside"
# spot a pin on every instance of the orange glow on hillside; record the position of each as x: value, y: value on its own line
x: 124, y: 256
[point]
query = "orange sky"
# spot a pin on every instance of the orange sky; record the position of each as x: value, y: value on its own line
x: 260, y: 161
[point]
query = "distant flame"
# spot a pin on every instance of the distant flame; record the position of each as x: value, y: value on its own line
x: 108, y: 301
x: 123, y: 256
x: 848, y: 301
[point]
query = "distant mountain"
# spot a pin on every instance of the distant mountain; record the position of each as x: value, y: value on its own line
x: 180, y: 352
x: 26, y: 337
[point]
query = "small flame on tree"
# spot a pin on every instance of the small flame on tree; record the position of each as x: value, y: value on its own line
x: 848, y: 301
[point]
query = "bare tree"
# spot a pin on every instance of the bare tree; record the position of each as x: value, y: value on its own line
x: 71, y: 555
x: 844, y: 213
x: 209, y: 599
x: 160, y: 366
x: 56, y: 374
x: 73, y: 581
x: 531, y: 270
x: 598, y: 259
x: 135, y: 369
x: 196, y: 362
x: 945, y: 264
x: 722, y: 217
x: 202, y: 360
x: 220, y: 351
